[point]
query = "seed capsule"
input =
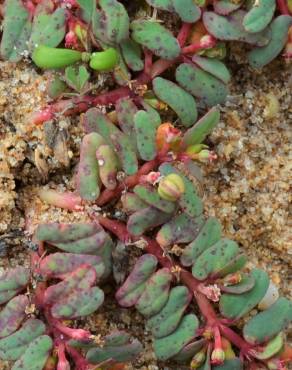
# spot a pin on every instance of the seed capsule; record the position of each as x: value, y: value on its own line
x: 171, y: 187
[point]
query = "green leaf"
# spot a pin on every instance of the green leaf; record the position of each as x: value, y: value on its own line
x: 168, y: 319
x: 178, y: 99
x: 187, y: 10
x: 215, y: 258
x: 12, y: 315
x: 77, y: 77
x: 278, y: 316
x: 201, y: 84
x: 13, y: 346
x: 87, y: 7
x: 235, y: 306
x: 209, y: 234
x: 36, y: 354
x: 259, y: 57
x: 16, y: 30
x: 48, y: 29
x: 259, y: 16
x: 198, y: 133
x: 156, y: 38
x: 150, y: 196
x: 213, y: 66
x: 132, y: 53
x: 169, y: 346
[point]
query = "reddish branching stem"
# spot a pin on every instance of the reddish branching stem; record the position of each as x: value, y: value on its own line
x: 283, y: 7
x: 184, y: 33
x: 80, y: 362
x: 148, y: 61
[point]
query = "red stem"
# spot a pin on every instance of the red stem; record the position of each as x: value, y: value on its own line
x: 283, y: 8
x: 235, y: 339
x: 80, y: 362
x: 205, y: 43
x: 184, y: 33
x: 148, y: 61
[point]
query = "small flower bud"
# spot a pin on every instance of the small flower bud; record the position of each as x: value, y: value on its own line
x: 217, y: 356
x: 171, y: 187
x: 151, y: 178
x: 232, y: 279
x: 198, y: 359
x: 168, y: 134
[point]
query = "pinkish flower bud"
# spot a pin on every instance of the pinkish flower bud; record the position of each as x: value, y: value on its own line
x: 232, y: 279
x: 212, y: 292
x: 207, y: 41
x: 152, y: 178
x: 217, y: 356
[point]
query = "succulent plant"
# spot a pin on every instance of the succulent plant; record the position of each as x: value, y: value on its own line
x: 131, y: 159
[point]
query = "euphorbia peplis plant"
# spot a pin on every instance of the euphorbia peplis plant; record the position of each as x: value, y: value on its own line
x: 144, y: 167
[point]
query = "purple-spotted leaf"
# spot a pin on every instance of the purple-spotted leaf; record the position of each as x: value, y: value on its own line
x: 13, y: 346
x: 145, y: 219
x: 79, y: 303
x: 155, y: 295
x: 169, y: 346
x: 129, y: 293
x: 178, y: 99
x: 189, y: 350
x: 57, y: 265
x: 168, y: 319
x: 12, y: 315
x: 13, y: 281
x: 180, y: 229
x: 156, y: 38
x: 131, y: 52
x: 36, y: 354
x: 80, y: 279
x: 225, y: 7
x: 213, y: 66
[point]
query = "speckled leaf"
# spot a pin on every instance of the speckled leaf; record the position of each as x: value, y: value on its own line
x: 48, y: 29
x: 129, y: 293
x: 12, y: 347
x: 201, y: 84
x: 209, y: 234
x: 213, y: 66
x: 150, y: 196
x: 121, y: 72
x: 87, y: 179
x: 169, y: 346
x: 235, y: 306
x: 56, y: 87
x: 12, y: 315
x: 16, y: 30
x: 230, y: 28
x: 132, y: 203
x: 180, y: 229
x: 235, y: 264
x: 126, y: 109
x: 57, y: 265
x: 12, y: 281
x: 178, y: 99
x: 153, y: 114
x: 80, y: 279
x: 119, y: 349
x: 95, y: 121
x: 279, y: 315
x: 234, y: 364
x: 245, y: 285
x: 188, y: 351
x: 198, y: 133
x: 259, y: 16
x: 145, y: 129
x: 108, y: 164
x: 87, y: 8
x: 36, y: 354
x: 79, y: 303
x: 55, y: 232
x: 187, y: 10
x: 259, y: 57
x: 132, y: 55
x: 214, y: 258
x: 189, y: 202
x: 145, y: 219
x: 155, y: 295
x: 225, y: 7
x: 168, y: 319
x: 113, y: 22
x: 156, y: 38
x: 105, y: 252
